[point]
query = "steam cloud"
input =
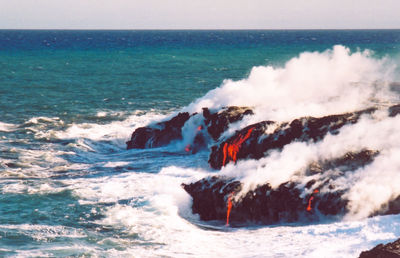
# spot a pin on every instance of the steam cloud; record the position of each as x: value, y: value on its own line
x: 318, y: 84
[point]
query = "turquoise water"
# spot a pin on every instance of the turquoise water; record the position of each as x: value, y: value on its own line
x: 83, y: 72
x: 70, y: 99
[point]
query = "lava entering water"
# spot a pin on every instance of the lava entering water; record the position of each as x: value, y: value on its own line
x: 229, y: 207
x: 230, y: 150
x: 310, y: 200
x: 188, y: 148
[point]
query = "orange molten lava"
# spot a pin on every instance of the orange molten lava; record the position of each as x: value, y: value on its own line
x: 310, y: 200
x: 187, y: 148
x: 199, y: 128
x: 230, y: 150
x: 229, y: 207
x: 224, y: 151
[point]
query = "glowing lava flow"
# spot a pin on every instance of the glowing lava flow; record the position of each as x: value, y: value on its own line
x: 229, y: 207
x: 230, y: 150
x: 187, y: 148
x: 310, y: 200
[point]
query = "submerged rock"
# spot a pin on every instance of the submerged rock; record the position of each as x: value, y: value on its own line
x: 289, y: 202
x: 390, y: 250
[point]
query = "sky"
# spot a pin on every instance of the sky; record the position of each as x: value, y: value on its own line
x: 199, y: 14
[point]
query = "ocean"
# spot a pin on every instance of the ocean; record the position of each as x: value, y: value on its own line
x: 69, y: 100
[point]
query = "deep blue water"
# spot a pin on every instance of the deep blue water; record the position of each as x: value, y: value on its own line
x: 69, y: 100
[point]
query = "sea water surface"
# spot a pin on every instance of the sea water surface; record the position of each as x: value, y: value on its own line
x: 69, y: 100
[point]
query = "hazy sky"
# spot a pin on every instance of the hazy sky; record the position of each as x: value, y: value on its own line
x: 199, y: 14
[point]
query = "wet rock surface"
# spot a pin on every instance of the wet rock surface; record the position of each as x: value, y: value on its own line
x: 163, y: 133
x: 390, y: 250
x: 158, y: 135
x: 289, y: 202
x: 314, y: 196
x: 268, y: 135
x: 218, y: 122
x: 394, y: 110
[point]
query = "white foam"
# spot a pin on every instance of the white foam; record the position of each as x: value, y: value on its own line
x: 116, y: 131
x: 45, y: 232
x: 116, y: 164
x: 101, y: 114
x: 6, y: 127
x: 162, y: 222
x: 36, y: 120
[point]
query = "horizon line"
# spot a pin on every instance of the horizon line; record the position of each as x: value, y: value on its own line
x: 196, y: 29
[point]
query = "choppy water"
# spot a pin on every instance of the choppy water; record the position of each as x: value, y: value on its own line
x: 70, y: 99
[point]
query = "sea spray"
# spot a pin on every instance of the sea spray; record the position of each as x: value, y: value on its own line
x: 319, y: 84
x: 313, y: 84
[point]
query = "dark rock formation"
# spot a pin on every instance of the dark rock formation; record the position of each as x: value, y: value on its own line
x: 263, y: 136
x: 158, y: 135
x: 255, y: 140
x: 264, y: 204
x: 163, y: 133
x: 390, y: 250
x: 244, y: 144
x: 394, y: 110
x: 218, y: 122
x: 289, y: 202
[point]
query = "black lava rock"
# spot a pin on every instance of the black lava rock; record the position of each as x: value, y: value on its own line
x: 218, y: 122
x: 163, y: 133
x: 390, y: 250
x: 289, y: 202
x: 255, y: 140
x: 158, y: 135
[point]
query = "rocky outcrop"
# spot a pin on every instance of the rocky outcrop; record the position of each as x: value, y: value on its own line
x: 163, y: 133
x: 390, y: 250
x: 218, y: 122
x: 255, y: 140
x: 158, y: 135
x: 215, y: 198
x: 394, y: 110
x: 289, y: 202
